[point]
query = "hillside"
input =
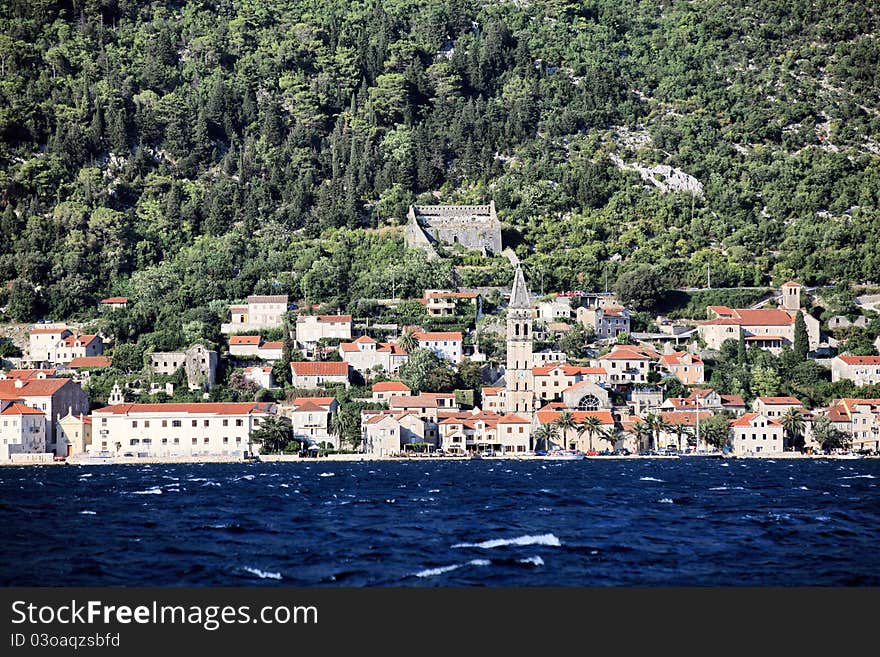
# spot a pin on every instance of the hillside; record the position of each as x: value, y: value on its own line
x: 188, y: 152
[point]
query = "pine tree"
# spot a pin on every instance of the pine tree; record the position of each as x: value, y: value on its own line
x: 801, y: 339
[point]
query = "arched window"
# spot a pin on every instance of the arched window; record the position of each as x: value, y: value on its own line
x: 589, y: 403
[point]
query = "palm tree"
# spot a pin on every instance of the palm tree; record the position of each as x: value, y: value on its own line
x: 641, y: 431
x: 793, y: 423
x: 408, y: 341
x: 612, y: 434
x: 275, y: 433
x: 546, y: 433
x: 656, y: 424
x: 680, y: 430
x: 564, y: 423
x: 591, y: 426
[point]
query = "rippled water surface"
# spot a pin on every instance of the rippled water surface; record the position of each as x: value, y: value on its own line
x: 429, y: 523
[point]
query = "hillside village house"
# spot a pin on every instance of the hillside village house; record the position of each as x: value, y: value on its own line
x: 58, y: 345
x: 114, y: 303
x: 494, y: 398
x: 312, y: 328
x: 260, y: 312
x: 444, y: 303
x: 428, y: 407
x: 554, y: 310
x: 261, y: 375
x: 548, y: 357
x: 22, y: 430
x: 860, y: 418
x: 551, y: 381
x: 606, y: 321
x: 82, y: 367
x: 485, y: 431
x: 628, y: 364
x: 198, y: 362
x: 446, y: 344
x: 52, y: 396
x: 861, y: 370
x: 202, y: 429
x: 316, y: 374
x: 386, y: 433
x: 776, y: 407
x: 684, y: 366
x: 385, y: 390
x: 681, y: 429
x: 75, y: 433
x: 28, y: 375
x: 702, y: 399
x: 312, y: 419
x: 754, y: 434
x: 253, y: 346
x: 366, y: 355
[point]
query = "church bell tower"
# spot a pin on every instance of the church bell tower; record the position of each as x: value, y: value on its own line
x: 518, y: 375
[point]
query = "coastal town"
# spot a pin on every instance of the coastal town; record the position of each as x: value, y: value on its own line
x: 466, y: 373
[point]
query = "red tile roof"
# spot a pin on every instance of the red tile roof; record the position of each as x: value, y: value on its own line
x: 860, y: 360
x: 272, y: 345
x: 491, y: 391
x: 48, y: 331
x: 115, y: 300
x: 25, y: 375
x: 320, y: 401
x: 245, y: 340
x: 334, y: 318
x: 390, y: 386
x: 684, y: 418
x: 262, y: 369
x: 545, y: 416
x: 781, y: 401
x: 32, y: 388
x: 680, y: 358
x: 746, y: 421
x: 207, y: 408
x: 413, y: 401
x: 625, y: 353
x: 320, y: 368
x: 309, y: 406
x: 90, y: 361
x: 512, y: 418
x: 438, y: 335
x: 18, y: 408
x: 791, y: 284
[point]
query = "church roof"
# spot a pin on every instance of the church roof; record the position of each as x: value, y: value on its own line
x: 519, y: 295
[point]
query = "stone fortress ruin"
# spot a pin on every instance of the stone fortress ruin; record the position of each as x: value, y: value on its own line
x: 475, y: 227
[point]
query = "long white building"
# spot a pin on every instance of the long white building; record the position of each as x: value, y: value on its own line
x: 207, y: 429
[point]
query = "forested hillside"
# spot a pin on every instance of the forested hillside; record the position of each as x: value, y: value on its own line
x: 188, y: 152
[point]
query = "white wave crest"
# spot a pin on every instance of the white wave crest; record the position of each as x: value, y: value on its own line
x: 432, y: 572
x: 666, y: 500
x: 149, y: 491
x: 867, y: 476
x: 327, y: 474
x: 88, y: 513
x: 651, y: 479
x: 262, y: 574
x: 535, y: 560
x: 543, y: 539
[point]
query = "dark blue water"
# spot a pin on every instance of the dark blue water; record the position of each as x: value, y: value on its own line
x: 486, y: 523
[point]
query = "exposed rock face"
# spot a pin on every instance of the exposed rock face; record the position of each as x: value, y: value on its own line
x: 662, y: 176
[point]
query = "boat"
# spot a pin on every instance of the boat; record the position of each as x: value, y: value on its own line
x: 702, y: 455
x: 476, y: 457
x: 563, y: 455
x: 90, y: 459
x: 850, y: 456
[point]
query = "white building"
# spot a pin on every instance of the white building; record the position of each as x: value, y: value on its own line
x: 253, y: 346
x: 22, y: 430
x: 312, y: 419
x: 262, y: 376
x: 58, y: 345
x: 606, y: 321
x: 366, y: 355
x: 385, y: 390
x: 628, y: 364
x: 53, y: 397
x: 754, y: 434
x: 446, y: 344
x: 312, y: 328
x: 485, y: 431
x: 861, y: 370
x: 776, y: 407
x: 316, y: 374
x: 178, y: 429
x: 386, y: 433
x: 260, y: 312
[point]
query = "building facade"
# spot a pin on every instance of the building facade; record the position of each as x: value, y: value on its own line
x: 260, y: 312
x: 520, y: 393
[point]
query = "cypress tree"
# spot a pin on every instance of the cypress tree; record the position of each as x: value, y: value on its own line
x: 801, y: 339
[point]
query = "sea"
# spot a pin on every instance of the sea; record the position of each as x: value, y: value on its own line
x: 505, y: 523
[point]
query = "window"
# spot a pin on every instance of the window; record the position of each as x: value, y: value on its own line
x: 164, y: 441
x: 239, y: 423
x: 134, y: 424
x: 225, y: 423
x: 177, y: 441
x: 195, y: 423
x: 195, y: 440
x: 205, y: 440
x: 164, y: 423
x: 225, y: 440
x: 133, y: 441
x: 238, y: 439
x: 206, y: 423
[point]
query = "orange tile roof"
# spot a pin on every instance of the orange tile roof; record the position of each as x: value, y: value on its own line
x: 545, y: 416
x: 334, y: 318
x: 308, y: 406
x: 791, y: 284
x: 491, y: 391
x: 90, y: 361
x: 18, y: 408
x: 320, y: 368
x: 206, y: 408
x: 784, y: 401
x: 32, y: 388
x: 413, y: 401
x: 365, y: 339
x: 732, y: 400
x: 684, y: 418
x: 48, y: 331
x: 25, y: 375
x: 680, y: 358
x: 262, y: 369
x: 512, y: 418
x: 860, y: 360
x: 272, y: 345
x: 390, y: 386
x: 438, y: 335
x: 245, y: 340
x: 115, y: 300
x: 625, y: 353
x: 746, y: 421
x: 320, y: 401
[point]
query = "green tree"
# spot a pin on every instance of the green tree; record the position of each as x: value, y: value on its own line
x: 829, y: 436
x: 565, y: 423
x: 592, y: 426
x: 793, y: 423
x: 801, y: 339
x: 572, y: 343
x: 764, y: 381
x: 715, y: 430
x: 546, y: 435
x: 425, y: 369
x: 640, y: 289
x: 408, y: 341
x: 274, y: 434
x: 24, y: 301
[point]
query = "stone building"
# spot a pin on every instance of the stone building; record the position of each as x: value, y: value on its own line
x: 475, y: 227
x: 520, y: 398
x: 199, y: 363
